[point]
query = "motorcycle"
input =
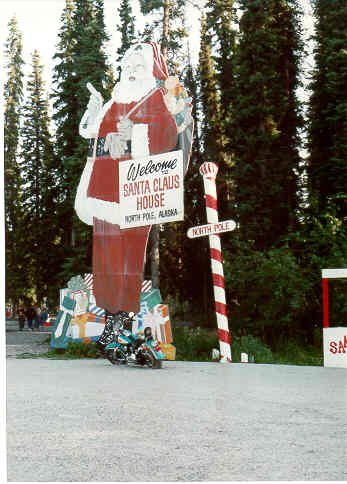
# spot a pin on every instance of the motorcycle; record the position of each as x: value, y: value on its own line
x: 121, y: 346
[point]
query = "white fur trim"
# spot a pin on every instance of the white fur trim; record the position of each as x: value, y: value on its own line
x: 140, y: 141
x: 87, y: 207
x: 126, y: 92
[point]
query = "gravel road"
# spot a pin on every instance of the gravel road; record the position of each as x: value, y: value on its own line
x: 86, y: 420
x: 19, y: 342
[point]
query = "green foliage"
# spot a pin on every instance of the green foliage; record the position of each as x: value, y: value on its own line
x: 266, y: 121
x: 126, y: 28
x: 209, y: 97
x: 268, y: 293
x: 256, y: 350
x: 185, y: 261
x: 221, y: 21
x: 82, y: 350
x: 147, y: 6
x: 327, y: 140
x: 194, y: 344
x: 292, y: 353
x: 321, y: 243
x: 166, y: 28
x: 197, y: 345
x: 80, y: 59
x: 39, y: 199
x: 16, y: 281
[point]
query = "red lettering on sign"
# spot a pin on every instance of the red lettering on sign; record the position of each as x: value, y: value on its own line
x: 333, y: 347
x: 342, y: 348
x: 150, y: 201
x: 166, y: 183
x: 338, y: 346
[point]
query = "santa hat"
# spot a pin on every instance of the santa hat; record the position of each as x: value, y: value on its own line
x: 153, y: 58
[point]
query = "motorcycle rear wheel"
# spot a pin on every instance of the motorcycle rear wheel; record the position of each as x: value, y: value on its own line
x: 151, y: 361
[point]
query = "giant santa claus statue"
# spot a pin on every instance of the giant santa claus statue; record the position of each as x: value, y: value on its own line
x: 138, y: 121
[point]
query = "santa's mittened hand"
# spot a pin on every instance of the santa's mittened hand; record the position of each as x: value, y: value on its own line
x: 125, y: 128
x: 115, y: 144
x: 94, y: 106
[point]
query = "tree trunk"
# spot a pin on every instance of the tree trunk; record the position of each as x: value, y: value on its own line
x: 155, y: 255
x: 166, y: 26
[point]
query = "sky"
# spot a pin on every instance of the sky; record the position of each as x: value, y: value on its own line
x: 39, y: 22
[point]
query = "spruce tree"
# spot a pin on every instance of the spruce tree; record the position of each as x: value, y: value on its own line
x: 126, y: 28
x: 171, y: 25
x: 182, y: 260
x: 168, y: 29
x: 13, y: 96
x: 327, y: 174
x: 81, y: 59
x: 265, y: 122
x: 39, y: 200
x: 197, y: 281
x: 220, y: 29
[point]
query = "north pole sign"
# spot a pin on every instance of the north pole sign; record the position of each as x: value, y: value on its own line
x: 209, y: 229
x: 151, y: 190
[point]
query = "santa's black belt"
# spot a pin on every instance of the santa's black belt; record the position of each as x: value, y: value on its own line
x: 100, y: 148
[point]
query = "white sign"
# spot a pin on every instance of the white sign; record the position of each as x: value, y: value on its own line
x: 151, y: 190
x: 210, y: 229
x: 335, y: 347
x: 334, y: 273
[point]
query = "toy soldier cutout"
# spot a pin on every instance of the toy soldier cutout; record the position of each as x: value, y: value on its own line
x: 144, y: 117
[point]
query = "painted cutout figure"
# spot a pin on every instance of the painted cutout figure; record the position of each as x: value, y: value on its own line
x: 143, y: 117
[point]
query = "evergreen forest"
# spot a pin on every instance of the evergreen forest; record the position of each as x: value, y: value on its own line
x: 282, y: 161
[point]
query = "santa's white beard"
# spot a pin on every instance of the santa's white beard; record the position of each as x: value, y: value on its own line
x: 129, y: 91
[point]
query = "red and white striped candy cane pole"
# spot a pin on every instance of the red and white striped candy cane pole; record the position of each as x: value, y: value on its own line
x: 209, y: 172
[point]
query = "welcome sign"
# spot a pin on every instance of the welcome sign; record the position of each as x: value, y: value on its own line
x: 151, y: 190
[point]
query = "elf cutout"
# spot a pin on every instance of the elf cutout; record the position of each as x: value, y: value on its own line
x: 141, y: 119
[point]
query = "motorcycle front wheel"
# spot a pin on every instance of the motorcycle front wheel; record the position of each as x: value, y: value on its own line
x: 112, y: 358
x: 110, y: 355
x: 151, y: 361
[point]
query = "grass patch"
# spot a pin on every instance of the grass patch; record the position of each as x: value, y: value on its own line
x: 294, y: 354
x: 257, y: 351
x: 197, y: 344
x: 82, y: 350
x: 194, y: 344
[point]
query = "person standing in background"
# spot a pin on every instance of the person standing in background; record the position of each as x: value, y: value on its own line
x: 37, y: 313
x: 21, y: 319
x: 43, y: 316
x: 30, y: 315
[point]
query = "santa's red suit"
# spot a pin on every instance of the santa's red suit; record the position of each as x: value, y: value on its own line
x: 119, y: 254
